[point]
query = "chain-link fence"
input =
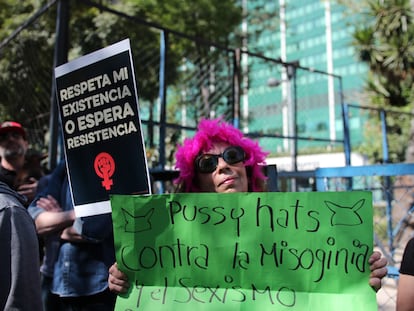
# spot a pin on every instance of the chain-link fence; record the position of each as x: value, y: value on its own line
x: 392, y: 188
x: 201, y: 79
x: 206, y: 80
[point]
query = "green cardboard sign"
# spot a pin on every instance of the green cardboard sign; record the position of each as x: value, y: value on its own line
x: 245, y: 251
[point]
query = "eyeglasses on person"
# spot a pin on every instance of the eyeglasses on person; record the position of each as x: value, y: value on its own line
x: 207, y: 163
x: 7, y: 135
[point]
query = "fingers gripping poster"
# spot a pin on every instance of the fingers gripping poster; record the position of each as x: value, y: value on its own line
x: 245, y: 251
x: 102, y: 134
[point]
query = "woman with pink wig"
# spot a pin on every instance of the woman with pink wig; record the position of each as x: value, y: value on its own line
x: 219, y: 158
x: 203, y: 161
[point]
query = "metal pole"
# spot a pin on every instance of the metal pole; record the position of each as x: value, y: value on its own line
x: 294, y: 120
x: 345, y: 120
x: 385, y: 153
x: 347, y: 138
x: 60, y: 57
x: 162, y: 94
x: 291, y: 73
x: 387, y: 181
x: 236, y: 88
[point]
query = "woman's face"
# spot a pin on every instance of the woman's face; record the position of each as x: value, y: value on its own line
x: 226, y: 177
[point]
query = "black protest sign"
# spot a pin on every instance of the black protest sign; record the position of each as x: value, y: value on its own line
x: 102, y: 133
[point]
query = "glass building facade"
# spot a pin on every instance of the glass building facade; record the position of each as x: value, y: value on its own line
x: 317, y: 36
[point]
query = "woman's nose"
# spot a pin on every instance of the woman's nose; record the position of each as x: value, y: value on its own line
x: 222, y: 164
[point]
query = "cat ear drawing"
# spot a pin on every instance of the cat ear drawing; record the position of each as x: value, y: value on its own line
x: 138, y: 223
x: 345, y: 215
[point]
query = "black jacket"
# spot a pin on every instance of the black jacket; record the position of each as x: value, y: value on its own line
x: 19, y: 259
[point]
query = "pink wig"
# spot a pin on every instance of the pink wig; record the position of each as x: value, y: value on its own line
x: 218, y: 131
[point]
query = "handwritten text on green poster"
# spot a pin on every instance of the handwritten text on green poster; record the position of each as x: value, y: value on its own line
x: 245, y: 251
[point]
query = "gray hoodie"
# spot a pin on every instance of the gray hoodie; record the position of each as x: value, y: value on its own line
x: 19, y: 255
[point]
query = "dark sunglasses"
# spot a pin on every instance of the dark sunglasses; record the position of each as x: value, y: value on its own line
x: 7, y: 135
x: 207, y: 163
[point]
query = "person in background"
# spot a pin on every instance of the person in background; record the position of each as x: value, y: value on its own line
x: 19, y: 273
x: 78, y: 251
x: 14, y: 169
x: 405, y: 289
x: 219, y: 158
x: 33, y: 169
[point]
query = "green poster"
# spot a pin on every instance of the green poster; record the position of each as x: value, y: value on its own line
x: 245, y: 251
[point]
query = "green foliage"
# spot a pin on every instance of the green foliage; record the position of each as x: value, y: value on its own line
x: 200, y: 71
x: 211, y: 20
x: 26, y: 62
x: 386, y: 44
x: 92, y: 29
x: 384, y: 41
x: 261, y: 17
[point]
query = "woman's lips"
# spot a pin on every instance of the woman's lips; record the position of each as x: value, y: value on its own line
x: 228, y: 181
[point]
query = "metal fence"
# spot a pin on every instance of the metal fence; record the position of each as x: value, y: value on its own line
x: 392, y: 186
x: 176, y: 89
x: 212, y: 80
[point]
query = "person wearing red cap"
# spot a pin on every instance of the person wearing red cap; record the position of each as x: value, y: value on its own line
x: 13, y: 149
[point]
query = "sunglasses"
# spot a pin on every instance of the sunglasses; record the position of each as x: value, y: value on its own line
x: 207, y: 163
x: 11, y: 134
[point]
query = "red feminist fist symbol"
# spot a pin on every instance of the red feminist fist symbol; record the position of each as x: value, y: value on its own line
x: 104, y: 167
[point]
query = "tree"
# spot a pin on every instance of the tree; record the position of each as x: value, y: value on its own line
x: 384, y: 41
x: 25, y: 66
x: 201, y: 70
x: 27, y: 60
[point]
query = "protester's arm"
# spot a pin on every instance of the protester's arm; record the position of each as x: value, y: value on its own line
x: 405, y: 293
x: 405, y: 289
x: 378, y: 267
x: 46, y: 209
x: 70, y: 234
x: 48, y: 222
x: 49, y: 204
x: 53, y: 219
x: 48, y: 215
